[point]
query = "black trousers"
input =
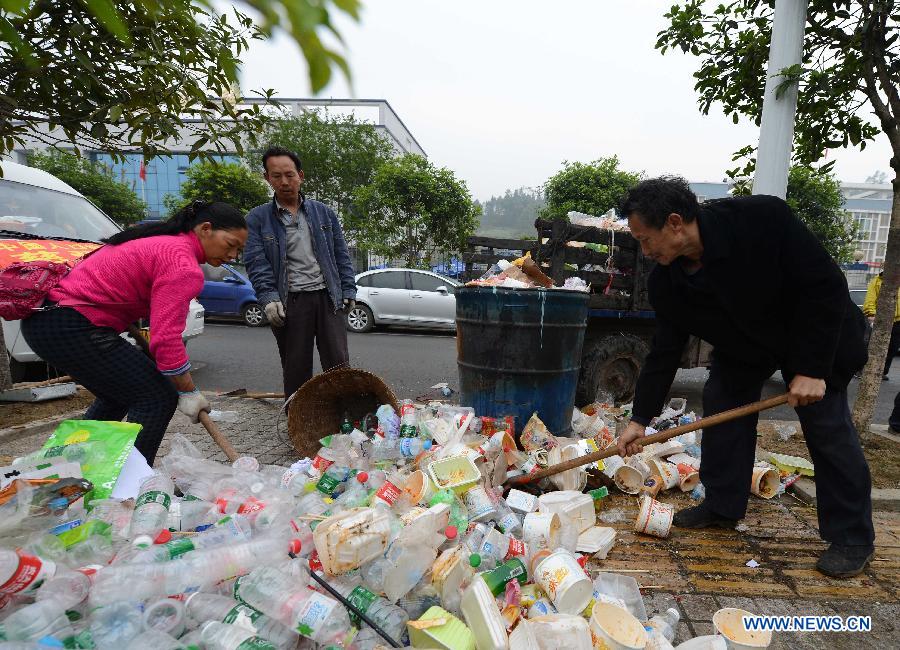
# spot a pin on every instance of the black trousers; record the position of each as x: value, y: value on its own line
x: 124, y: 380
x: 893, y: 347
x: 310, y: 317
x: 843, y: 483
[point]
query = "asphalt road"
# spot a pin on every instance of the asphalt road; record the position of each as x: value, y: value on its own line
x: 229, y: 356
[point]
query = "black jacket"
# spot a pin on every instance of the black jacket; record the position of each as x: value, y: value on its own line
x: 785, y: 302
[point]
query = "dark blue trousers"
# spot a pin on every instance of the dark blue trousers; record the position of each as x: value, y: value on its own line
x: 123, y: 379
x: 843, y: 483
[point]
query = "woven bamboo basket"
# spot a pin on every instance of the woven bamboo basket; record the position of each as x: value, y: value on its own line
x: 318, y: 406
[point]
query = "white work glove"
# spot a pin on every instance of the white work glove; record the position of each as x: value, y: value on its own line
x: 192, y: 403
x: 275, y: 313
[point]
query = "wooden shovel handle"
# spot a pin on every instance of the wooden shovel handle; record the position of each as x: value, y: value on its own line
x: 662, y: 436
x: 218, y: 436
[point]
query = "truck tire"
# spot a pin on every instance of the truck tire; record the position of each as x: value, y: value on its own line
x: 611, y: 365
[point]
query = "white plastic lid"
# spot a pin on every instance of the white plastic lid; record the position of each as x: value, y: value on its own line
x: 595, y: 539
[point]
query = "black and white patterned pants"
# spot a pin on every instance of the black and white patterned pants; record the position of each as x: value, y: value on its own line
x: 124, y: 380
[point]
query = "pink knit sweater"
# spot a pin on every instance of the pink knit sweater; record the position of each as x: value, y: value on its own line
x: 153, y: 276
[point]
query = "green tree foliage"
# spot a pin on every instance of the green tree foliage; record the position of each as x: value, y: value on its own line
x: 95, y: 181
x: 232, y: 183
x: 815, y: 197
x: 513, y: 214
x: 850, y: 70
x: 592, y: 188
x: 61, y: 67
x: 414, y: 211
x: 339, y: 154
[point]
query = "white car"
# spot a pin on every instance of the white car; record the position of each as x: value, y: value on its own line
x: 33, y: 202
x: 405, y: 297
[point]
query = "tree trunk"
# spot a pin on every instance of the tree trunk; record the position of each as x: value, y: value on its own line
x: 870, y: 383
x: 5, y: 374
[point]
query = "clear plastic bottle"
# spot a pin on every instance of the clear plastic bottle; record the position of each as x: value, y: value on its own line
x: 211, y: 607
x: 113, y: 627
x: 221, y: 636
x: 188, y: 513
x: 388, y: 421
x: 21, y: 573
x: 67, y: 587
x: 400, y: 448
x: 332, y: 481
x: 665, y: 623
x: 507, y: 520
x: 313, y: 615
x: 390, y: 490
x: 151, y: 510
x: 165, y: 615
x: 389, y: 617
x: 408, y: 425
x: 35, y: 621
x: 228, y: 530
x: 156, y: 640
x: 355, y: 496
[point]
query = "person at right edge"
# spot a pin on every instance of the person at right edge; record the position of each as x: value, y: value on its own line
x: 871, y: 301
x: 301, y: 270
x: 745, y: 275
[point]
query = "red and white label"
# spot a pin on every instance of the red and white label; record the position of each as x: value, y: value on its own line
x: 388, y: 493
x: 516, y: 548
x: 30, y: 567
x: 314, y: 563
x: 251, y: 506
x: 320, y: 464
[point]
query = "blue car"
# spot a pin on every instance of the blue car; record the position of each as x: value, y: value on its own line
x: 228, y: 293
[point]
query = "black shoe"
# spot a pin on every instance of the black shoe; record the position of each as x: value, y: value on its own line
x: 884, y: 378
x: 841, y: 561
x: 701, y: 517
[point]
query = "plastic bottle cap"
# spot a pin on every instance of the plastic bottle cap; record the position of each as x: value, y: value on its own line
x: 142, y: 541
x: 450, y: 532
x: 295, y: 546
x: 362, y: 477
x: 427, y: 445
x: 474, y: 560
x: 163, y: 537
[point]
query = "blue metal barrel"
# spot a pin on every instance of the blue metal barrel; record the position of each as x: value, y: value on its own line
x: 519, y: 351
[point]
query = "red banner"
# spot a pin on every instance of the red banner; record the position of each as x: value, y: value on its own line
x: 21, y: 250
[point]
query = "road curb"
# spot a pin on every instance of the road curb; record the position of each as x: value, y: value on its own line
x: 884, y: 499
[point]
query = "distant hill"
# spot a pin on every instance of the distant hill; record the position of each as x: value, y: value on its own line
x: 511, y: 215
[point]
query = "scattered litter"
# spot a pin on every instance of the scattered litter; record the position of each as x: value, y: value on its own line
x: 613, y: 516
x: 752, y: 564
x: 785, y: 431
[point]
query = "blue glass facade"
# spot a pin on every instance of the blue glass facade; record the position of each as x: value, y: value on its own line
x: 164, y: 176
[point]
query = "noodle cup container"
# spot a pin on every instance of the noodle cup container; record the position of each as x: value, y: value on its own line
x: 628, y: 479
x: 729, y: 622
x: 667, y: 471
x: 565, y: 582
x: 652, y: 486
x: 640, y: 465
x: 479, y: 504
x: 654, y: 518
x: 611, y: 464
x: 420, y: 487
x: 540, y: 530
x: 765, y: 482
x: 616, y: 628
x: 689, y: 481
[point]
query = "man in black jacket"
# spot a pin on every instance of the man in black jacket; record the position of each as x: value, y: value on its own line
x: 745, y: 275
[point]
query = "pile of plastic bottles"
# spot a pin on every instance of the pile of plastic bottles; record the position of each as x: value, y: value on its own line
x: 395, y: 534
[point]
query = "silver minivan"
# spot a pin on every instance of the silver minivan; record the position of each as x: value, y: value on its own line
x: 403, y: 297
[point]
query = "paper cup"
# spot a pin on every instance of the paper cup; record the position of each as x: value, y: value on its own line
x: 616, y: 628
x: 667, y: 471
x: 628, y: 479
x: 419, y: 487
x: 572, y: 479
x: 479, y: 504
x: 640, y: 465
x: 689, y: 481
x: 654, y: 518
x: 765, y: 482
x: 730, y: 624
x: 540, y: 530
x: 562, y: 578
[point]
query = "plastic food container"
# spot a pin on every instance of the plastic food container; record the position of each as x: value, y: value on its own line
x: 349, y: 539
x: 457, y: 473
x: 597, y: 540
x: 577, y: 506
x: 480, y: 611
x: 451, y: 635
x: 562, y: 631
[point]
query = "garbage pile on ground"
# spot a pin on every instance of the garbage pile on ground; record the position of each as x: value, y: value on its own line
x: 396, y: 533
x: 523, y: 273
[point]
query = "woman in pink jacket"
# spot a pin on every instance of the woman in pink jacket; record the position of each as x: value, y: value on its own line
x: 149, y: 271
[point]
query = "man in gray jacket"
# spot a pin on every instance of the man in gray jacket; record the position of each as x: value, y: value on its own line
x: 300, y: 268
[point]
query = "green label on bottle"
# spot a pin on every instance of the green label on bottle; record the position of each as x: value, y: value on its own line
x: 599, y: 493
x: 327, y: 484
x: 153, y: 497
x: 362, y: 599
x: 243, y: 612
x: 256, y: 643
x: 178, y: 547
x: 408, y: 431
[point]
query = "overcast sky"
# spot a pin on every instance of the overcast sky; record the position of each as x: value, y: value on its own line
x: 503, y: 91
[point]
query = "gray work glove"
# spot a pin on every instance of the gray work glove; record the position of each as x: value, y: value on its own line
x: 275, y: 313
x: 349, y: 304
x: 191, y: 403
